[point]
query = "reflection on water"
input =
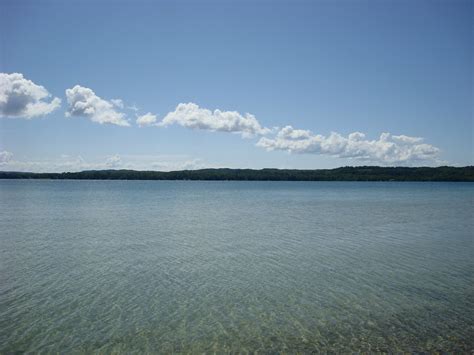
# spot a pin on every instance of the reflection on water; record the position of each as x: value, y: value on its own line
x: 235, y: 266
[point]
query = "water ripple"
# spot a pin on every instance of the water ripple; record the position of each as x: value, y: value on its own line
x: 235, y: 267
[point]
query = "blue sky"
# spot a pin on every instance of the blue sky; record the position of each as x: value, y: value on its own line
x: 301, y: 69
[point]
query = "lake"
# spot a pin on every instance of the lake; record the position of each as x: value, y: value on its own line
x: 196, y: 266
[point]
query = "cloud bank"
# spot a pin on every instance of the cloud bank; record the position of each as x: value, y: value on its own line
x: 191, y: 115
x: 388, y: 149
x: 84, y: 102
x: 20, y: 97
x: 66, y: 162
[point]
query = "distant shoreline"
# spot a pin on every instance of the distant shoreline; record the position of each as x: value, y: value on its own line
x: 361, y: 173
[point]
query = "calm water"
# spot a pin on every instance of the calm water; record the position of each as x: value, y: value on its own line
x: 176, y: 266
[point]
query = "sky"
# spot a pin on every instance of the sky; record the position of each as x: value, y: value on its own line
x: 169, y: 85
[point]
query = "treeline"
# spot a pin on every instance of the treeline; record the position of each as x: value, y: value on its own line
x: 362, y: 173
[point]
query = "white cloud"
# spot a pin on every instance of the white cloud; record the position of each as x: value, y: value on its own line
x: 5, y: 157
x: 20, y: 97
x: 117, y: 102
x: 66, y: 162
x: 113, y: 162
x: 63, y: 163
x: 173, y: 165
x: 407, y: 140
x: 191, y: 115
x: 83, y: 101
x: 388, y: 149
x: 147, y: 119
x: 133, y: 108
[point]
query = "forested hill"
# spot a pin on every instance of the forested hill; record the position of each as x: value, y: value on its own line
x: 363, y: 173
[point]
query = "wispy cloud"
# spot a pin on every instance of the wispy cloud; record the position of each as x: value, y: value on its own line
x: 133, y: 108
x: 5, y: 157
x: 22, y: 98
x: 115, y: 161
x: 190, y: 115
x: 117, y: 103
x: 84, y: 102
x: 387, y: 149
x: 70, y: 163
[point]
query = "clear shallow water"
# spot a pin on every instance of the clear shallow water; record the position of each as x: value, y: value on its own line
x: 176, y: 266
